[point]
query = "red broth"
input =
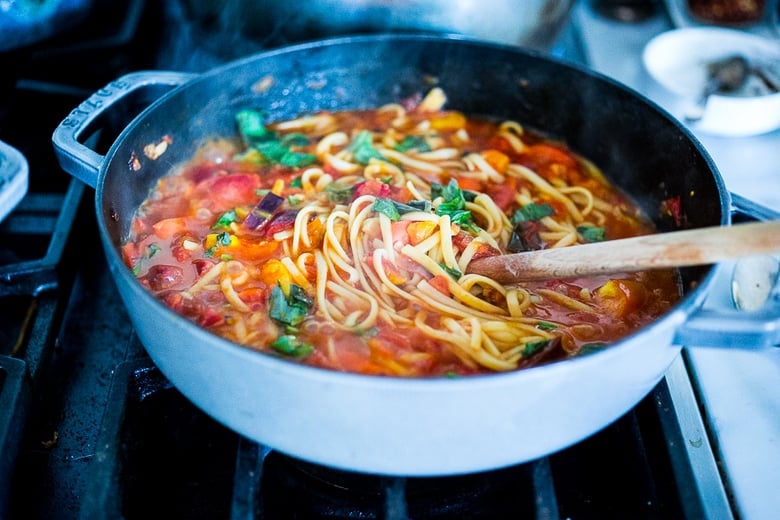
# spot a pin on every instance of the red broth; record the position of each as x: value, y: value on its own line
x: 339, y: 240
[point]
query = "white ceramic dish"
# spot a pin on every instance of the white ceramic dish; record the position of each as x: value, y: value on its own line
x: 14, y: 174
x: 677, y: 60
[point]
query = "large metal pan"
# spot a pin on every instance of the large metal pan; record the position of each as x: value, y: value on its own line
x: 388, y: 425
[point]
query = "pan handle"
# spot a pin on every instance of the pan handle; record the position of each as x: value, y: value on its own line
x: 78, y: 159
x: 726, y: 327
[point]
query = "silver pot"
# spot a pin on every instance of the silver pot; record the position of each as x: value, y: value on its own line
x: 533, y: 23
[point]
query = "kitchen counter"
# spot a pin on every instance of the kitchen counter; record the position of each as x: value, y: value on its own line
x: 739, y: 389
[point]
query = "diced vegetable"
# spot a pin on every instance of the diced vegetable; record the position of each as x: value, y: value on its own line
x: 261, y: 213
x: 290, y: 309
x: 591, y: 233
x: 532, y: 212
x: 290, y: 346
x: 363, y: 148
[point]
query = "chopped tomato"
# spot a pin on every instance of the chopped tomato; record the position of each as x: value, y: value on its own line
x: 469, y: 183
x: 170, y: 227
x: 419, y: 231
x: 448, y: 121
x: 399, y: 231
x: 621, y: 297
x: 316, y: 231
x: 441, y: 284
x: 273, y: 273
x: 130, y: 254
x: 544, y: 154
x: 462, y: 239
x: 372, y: 187
x: 392, y: 272
x: 253, y: 295
x: 229, y: 191
x: 499, y: 161
x: 503, y: 195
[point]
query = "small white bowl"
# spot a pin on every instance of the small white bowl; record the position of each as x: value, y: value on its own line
x: 678, y: 59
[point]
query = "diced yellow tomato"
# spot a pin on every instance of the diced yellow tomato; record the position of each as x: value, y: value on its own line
x: 499, y: 161
x: 621, y: 297
x: 392, y: 272
x: 419, y: 231
x: 274, y: 272
x: 168, y: 227
x: 316, y: 231
x: 448, y: 121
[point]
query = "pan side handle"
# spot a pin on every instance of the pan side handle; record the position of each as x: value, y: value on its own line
x: 732, y: 328
x: 75, y: 157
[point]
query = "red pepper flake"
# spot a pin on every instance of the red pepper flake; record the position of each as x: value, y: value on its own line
x: 672, y: 207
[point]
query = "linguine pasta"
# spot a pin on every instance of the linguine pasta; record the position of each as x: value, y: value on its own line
x: 341, y: 239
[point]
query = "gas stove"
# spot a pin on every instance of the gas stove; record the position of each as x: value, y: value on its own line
x: 90, y: 428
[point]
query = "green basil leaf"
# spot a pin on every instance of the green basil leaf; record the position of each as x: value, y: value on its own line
x: 363, y: 149
x: 532, y: 212
x: 591, y: 233
x: 386, y: 207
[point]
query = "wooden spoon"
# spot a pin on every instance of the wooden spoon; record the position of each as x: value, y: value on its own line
x: 659, y: 251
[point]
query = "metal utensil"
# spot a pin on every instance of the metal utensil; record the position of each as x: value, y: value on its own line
x: 664, y: 250
x: 724, y: 76
x: 755, y: 281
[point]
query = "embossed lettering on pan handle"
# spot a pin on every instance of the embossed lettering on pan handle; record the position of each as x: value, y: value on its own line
x: 76, y: 158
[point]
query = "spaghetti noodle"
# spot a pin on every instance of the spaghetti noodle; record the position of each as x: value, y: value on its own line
x: 341, y: 239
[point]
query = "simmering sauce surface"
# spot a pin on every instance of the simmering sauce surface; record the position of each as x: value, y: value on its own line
x: 340, y: 240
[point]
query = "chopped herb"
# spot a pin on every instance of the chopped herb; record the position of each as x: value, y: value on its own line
x: 591, y: 233
x: 275, y: 149
x: 251, y: 126
x: 546, y: 325
x: 525, y: 237
x: 387, y: 208
x: 413, y: 142
x: 294, y: 200
x: 591, y: 348
x: 290, y: 309
x: 296, y: 183
x: 363, y: 149
x: 223, y: 239
x: 152, y: 249
x: 339, y: 193
x: 533, y: 347
x: 454, y: 273
x: 532, y: 212
x: 290, y: 346
x: 454, y: 205
x: 225, y: 220
x: 394, y: 209
x: 420, y: 205
x: 295, y: 139
x: 297, y: 159
x: 226, y: 257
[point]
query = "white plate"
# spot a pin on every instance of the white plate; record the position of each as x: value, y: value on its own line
x: 678, y: 59
x: 14, y: 173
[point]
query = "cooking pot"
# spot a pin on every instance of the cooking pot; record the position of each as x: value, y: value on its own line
x: 397, y: 426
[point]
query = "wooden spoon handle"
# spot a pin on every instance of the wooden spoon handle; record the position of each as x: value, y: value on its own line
x: 663, y: 250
